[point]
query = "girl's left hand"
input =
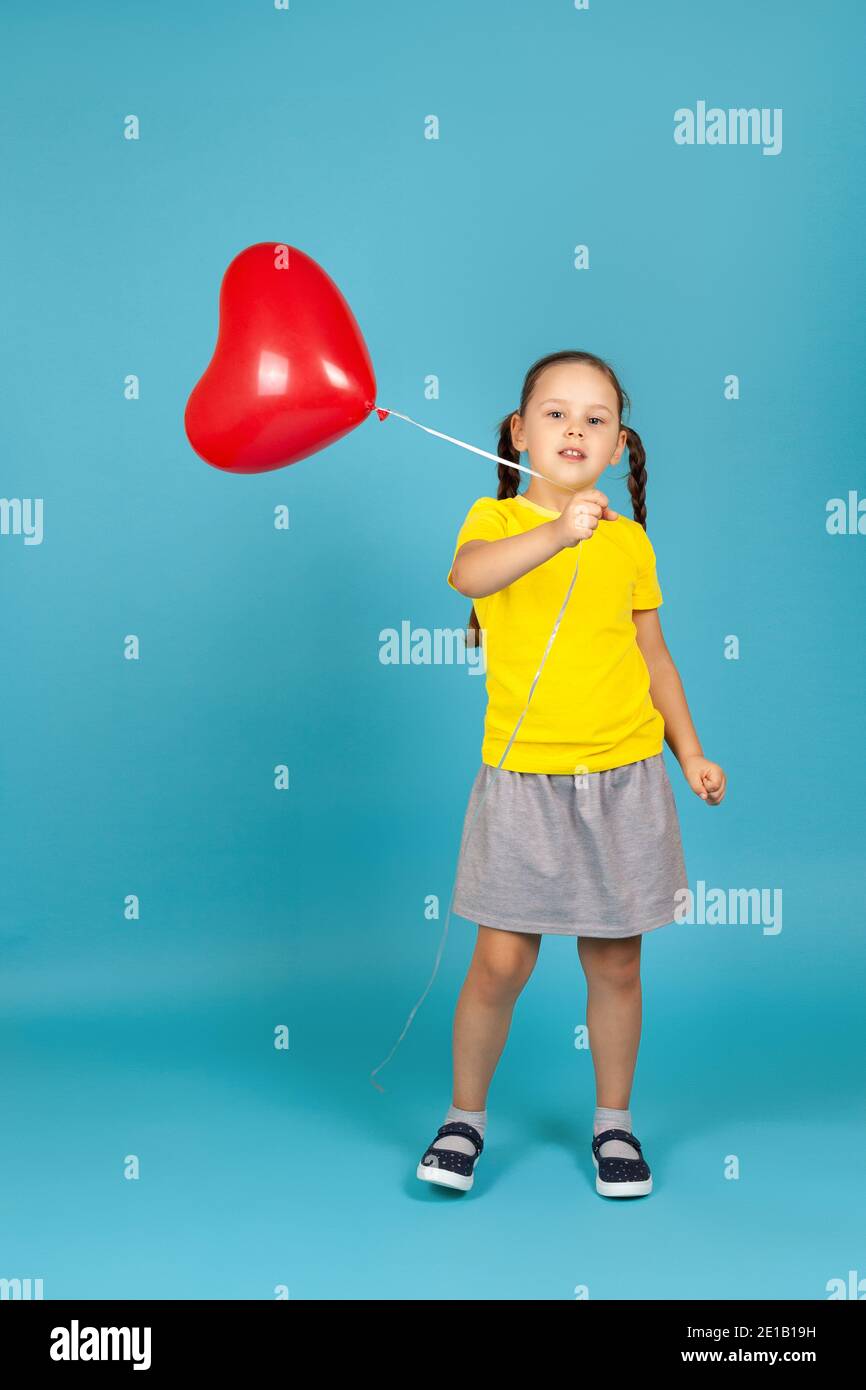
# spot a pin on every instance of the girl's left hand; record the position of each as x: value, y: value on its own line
x: 706, y: 779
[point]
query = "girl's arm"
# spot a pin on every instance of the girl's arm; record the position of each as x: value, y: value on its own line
x: 667, y: 694
x: 666, y: 688
x: 484, y: 567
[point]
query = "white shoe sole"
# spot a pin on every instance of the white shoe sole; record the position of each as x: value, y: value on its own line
x: 443, y: 1178
x: 621, y: 1189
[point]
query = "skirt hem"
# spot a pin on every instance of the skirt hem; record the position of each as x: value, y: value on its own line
x: 539, y: 929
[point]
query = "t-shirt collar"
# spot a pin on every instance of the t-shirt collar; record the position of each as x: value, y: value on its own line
x: 545, y: 511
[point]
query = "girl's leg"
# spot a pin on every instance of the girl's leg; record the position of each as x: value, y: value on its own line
x: 501, y: 965
x: 613, y: 1013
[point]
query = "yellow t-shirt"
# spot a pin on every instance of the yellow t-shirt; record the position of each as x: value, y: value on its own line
x: 591, y: 709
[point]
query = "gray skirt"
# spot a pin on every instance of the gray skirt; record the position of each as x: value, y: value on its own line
x: 596, y: 854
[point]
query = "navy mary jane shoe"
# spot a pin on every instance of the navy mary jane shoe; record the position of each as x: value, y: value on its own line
x: 620, y: 1177
x: 451, y: 1167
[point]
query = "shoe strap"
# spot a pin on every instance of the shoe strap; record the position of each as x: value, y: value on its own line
x: 599, y: 1139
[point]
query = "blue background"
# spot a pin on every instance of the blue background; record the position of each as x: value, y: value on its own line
x: 259, y: 647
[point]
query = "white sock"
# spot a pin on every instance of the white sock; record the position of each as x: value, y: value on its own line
x: 605, y: 1118
x: 476, y: 1118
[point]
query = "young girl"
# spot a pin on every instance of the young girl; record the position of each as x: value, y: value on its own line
x: 579, y: 834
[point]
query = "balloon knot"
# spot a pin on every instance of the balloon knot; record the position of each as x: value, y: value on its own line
x: 382, y: 413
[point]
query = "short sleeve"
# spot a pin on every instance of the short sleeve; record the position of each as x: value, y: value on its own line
x: 646, y: 592
x: 486, y: 520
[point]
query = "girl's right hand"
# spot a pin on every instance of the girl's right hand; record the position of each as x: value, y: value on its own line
x: 581, y: 516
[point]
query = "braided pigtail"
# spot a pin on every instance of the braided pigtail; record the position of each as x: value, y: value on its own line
x: 637, y: 475
x: 509, y: 478
x: 509, y: 481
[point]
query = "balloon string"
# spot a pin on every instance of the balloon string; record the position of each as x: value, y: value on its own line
x: 497, y: 458
x: 498, y: 767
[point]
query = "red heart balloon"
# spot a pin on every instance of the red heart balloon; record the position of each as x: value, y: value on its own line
x: 290, y: 373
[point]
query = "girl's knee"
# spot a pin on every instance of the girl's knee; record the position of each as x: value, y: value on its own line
x: 503, y: 962
x: 611, y: 962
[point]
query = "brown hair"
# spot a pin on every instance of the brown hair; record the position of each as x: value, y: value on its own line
x: 509, y: 477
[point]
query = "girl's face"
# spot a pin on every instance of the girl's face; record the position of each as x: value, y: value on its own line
x: 573, y: 408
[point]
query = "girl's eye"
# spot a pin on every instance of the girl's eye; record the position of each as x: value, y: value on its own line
x: 592, y: 417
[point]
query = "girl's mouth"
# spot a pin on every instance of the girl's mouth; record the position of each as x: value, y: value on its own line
x: 576, y: 454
